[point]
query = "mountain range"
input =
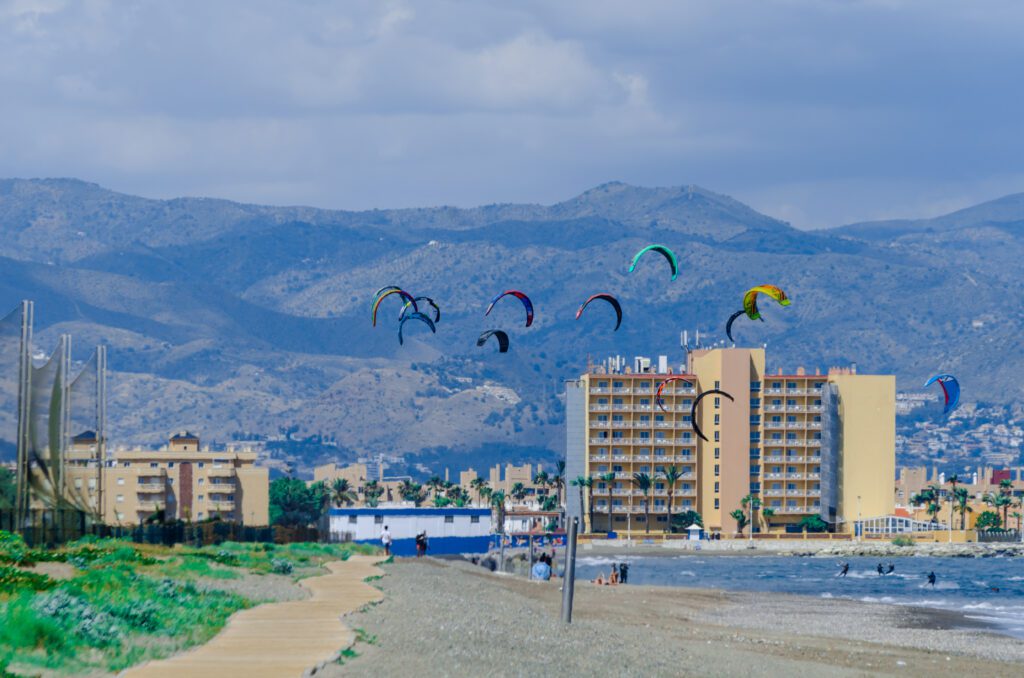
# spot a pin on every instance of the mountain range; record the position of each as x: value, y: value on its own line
x: 231, y: 319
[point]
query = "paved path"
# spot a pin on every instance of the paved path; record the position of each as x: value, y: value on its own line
x: 280, y: 639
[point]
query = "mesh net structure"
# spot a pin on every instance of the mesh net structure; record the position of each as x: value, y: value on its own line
x: 84, y: 428
x: 10, y: 360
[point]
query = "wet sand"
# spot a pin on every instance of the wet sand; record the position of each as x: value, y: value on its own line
x: 451, y: 618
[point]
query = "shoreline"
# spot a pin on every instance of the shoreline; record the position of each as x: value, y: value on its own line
x: 510, y: 626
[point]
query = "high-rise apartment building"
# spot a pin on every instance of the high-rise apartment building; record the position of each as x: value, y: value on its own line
x: 803, y: 444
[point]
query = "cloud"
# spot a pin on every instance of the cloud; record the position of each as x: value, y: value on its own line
x: 821, y: 112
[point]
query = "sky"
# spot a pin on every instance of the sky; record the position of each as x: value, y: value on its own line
x: 816, y: 112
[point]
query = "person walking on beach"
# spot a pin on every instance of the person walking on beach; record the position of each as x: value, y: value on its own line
x: 421, y: 544
x: 931, y: 578
x: 845, y: 568
x: 385, y: 539
x: 623, y: 573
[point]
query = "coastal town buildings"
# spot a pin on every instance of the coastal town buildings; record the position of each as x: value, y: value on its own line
x: 803, y: 444
x: 182, y: 479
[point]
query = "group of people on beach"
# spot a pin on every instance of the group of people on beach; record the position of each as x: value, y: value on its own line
x: 421, y: 542
x: 619, y: 574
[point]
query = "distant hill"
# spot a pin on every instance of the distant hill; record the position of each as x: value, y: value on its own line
x: 228, y: 318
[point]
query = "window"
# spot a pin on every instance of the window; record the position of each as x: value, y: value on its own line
x: 716, y: 487
x: 153, y: 464
x: 718, y: 452
x: 717, y: 419
x: 352, y: 520
x: 120, y: 516
x: 126, y: 464
x: 120, y: 481
x: 200, y: 515
x: 378, y: 520
x: 716, y: 470
x: 120, y: 498
x: 78, y: 483
x: 202, y: 481
x: 717, y: 437
x: 200, y: 497
x: 201, y: 464
x: 662, y: 519
x: 170, y: 464
x: 716, y: 502
x: 449, y: 520
x: 718, y: 402
x: 718, y: 384
x: 474, y: 519
x: 92, y: 483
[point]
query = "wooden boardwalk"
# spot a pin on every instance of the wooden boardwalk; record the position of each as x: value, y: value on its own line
x: 280, y: 639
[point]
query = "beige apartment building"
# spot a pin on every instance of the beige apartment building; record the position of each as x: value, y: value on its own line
x: 804, y: 444
x: 181, y: 478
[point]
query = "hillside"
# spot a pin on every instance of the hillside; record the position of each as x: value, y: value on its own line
x: 228, y: 318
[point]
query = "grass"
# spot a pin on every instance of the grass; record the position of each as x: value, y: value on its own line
x: 128, y: 603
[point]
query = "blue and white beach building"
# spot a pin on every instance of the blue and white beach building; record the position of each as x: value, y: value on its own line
x: 448, y: 529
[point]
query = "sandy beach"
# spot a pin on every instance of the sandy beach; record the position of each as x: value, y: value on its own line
x: 451, y: 618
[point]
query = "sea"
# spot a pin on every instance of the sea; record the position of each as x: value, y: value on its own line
x: 987, y: 590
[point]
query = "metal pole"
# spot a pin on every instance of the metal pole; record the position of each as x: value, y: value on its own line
x: 750, y: 519
x: 569, y: 580
x: 529, y: 573
x: 24, y: 414
x: 101, y: 427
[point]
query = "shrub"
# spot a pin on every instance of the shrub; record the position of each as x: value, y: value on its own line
x: 903, y: 541
x: 12, y: 579
x: 280, y: 566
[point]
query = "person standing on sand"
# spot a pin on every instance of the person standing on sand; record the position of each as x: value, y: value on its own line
x: 623, y: 573
x: 385, y: 539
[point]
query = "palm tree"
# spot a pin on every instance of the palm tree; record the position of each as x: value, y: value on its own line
x: 766, y: 515
x: 435, y: 485
x: 558, y: 480
x: 372, y: 492
x: 740, y: 516
x: 478, y: 484
x: 586, y: 482
x: 754, y: 502
x: 518, y: 493
x: 485, y: 494
x: 498, y: 503
x: 929, y: 496
x: 411, y: 491
x: 1000, y: 502
x: 672, y: 476
x: 643, y: 483
x: 960, y: 498
x: 342, y: 492
x: 540, y: 478
x: 953, y: 481
x: 1018, y: 515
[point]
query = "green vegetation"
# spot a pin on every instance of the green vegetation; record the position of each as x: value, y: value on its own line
x: 294, y: 504
x: 681, y: 521
x: 903, y: 541
x: 813, y: 524
x: 8, y: 488
x: 124, y: 603
x: 988, y: 520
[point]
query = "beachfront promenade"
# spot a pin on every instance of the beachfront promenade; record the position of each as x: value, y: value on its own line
x: 280, y: 639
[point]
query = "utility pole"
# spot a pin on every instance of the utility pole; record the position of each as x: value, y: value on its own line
x: 101, y: 427
x: 569, y: 578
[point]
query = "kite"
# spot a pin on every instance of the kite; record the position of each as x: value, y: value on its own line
x: 730, y: 321
x: 750, y: 299
x: 519, y: 295
x: 497, y: 334
x: 611, y: 300
x: 696, y: 402
x: 405, y: 295
x: 950, y: 389
x: 416, y: 315
x: 661, y: 387
x: 666, y: 252
x: 437, y: 309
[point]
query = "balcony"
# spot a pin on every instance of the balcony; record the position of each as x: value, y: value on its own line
x: 221, y: 506
x: 148, y: 505
x: 151, y: 488
x: 775, y: 424
x: 598, y: 389
x: 223, y: 472
x: 600, y: 408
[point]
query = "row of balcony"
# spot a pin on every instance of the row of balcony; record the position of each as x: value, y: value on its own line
x: 624, y: 390
x: 792, y: 476
x: 692, y: 442
x: 792, y: 391
x: 791, y: 493
x: 792, y: 459
x: 666, y: 458
x: 622, y: 407
x: 791, y: 424
x: 641, y: 424
x: 791, y: 408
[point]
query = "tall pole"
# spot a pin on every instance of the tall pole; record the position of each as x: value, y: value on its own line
x: 858, y: 528
x: 750, y: 519
x: 64, y: 375
x: 569, y: 579
x: 24, y: 419
x: 101, y: 427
